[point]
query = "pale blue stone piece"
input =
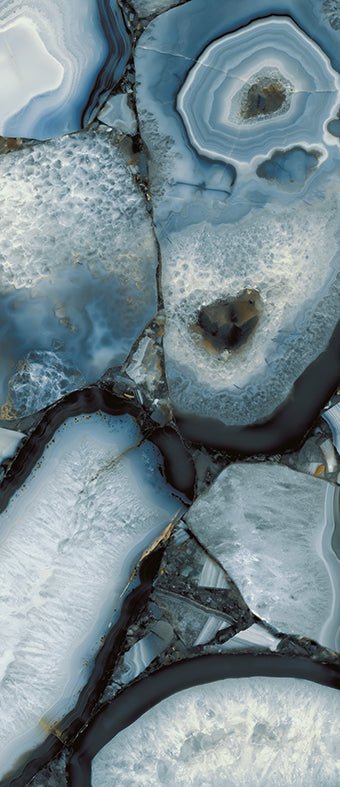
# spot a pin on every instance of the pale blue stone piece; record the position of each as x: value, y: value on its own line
x: 118, y: 114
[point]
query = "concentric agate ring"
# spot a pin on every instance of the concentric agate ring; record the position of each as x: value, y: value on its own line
x: 256, y: 87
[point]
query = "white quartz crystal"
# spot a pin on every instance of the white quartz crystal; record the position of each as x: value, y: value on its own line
x: 69, y: 539
x: 9, y: 443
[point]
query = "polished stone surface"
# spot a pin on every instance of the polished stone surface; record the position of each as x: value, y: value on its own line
x: 169, y: 392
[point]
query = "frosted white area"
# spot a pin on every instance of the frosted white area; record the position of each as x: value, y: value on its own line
x: 250, y: 732
x: 290, y: 255
x: 274, y: 48
x: 118, y: 114
x: 271, y: 529
x: 9, y: 443
x: 68, y: 542
x: 77, y: 255
x: 57, y: 209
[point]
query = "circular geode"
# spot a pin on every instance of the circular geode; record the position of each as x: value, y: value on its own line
x: 244, y: 94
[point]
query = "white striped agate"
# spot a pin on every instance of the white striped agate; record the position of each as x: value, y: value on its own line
x: 53, y: 58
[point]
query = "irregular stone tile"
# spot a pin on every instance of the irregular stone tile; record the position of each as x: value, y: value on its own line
x: 222, y: 229
x: 118, y: 114
x: 317, y: 456
x: 57, y: 62
x: 77, y: 266
x: 144, y: 652
x: 272, y: 530
x: 69, y: 539
x: 267, y: 252
x: 145, y: 367
x: 332, y: 417
x: 187, y: 571
x: 193, y: 602
x: 330, y: 456
x: 167, y: 53
x: 267, y: 730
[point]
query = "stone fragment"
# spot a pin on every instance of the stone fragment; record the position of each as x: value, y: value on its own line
x: 70, y: 538
x: 272, y: 529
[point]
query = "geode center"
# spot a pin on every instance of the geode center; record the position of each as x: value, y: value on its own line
x: 264, y: 97
x: 228, y: 323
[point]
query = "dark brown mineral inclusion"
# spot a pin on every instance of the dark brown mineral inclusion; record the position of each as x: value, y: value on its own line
x: 263, y: 98
x: 227, y: 324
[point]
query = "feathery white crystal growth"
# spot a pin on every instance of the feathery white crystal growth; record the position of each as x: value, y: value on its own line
x: 295, y: 91
x: 68, y: 541
x: 256, y: 732
x: 51, y: 55
x: 271, y: 528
